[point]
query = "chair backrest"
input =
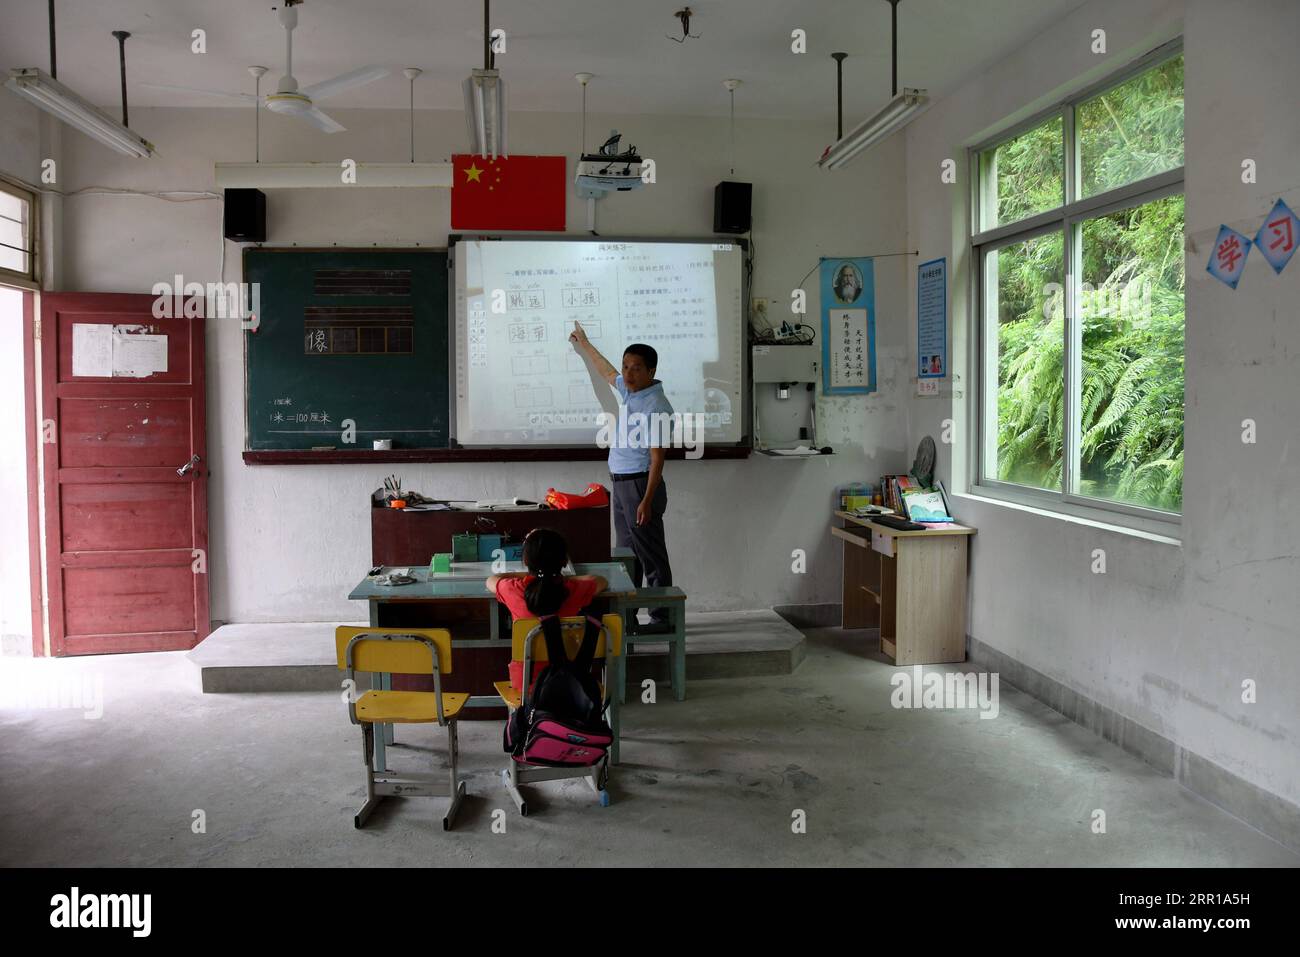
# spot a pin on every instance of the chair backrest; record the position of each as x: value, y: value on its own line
x: 376, y: 651
x: 573, y: 630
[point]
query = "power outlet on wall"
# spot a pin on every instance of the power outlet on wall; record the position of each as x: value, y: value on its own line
x: 758, y: 313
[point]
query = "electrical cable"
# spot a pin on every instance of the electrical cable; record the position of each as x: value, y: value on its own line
x: 733, y: 131
x: 799, y: 285
x: 169, y: 195
x: 221, y: 270
x: 910, y: 252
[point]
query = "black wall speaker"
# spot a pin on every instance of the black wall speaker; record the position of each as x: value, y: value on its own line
x: 245, y: 220
x: 731, y: 207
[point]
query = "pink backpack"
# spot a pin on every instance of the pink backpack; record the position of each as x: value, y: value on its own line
x: 561, y: 722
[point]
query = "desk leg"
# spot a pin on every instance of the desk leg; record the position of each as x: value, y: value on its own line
x: 381, y: 737
x: 494, y: 620
x: 621, y: 690
x: 381, y: 682
x: 386, y: 683
x: 614, y: 724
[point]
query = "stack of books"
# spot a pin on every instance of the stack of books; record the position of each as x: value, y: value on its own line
x: 905, y: 495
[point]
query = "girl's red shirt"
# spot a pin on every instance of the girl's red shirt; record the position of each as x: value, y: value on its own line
x: 510, y: 592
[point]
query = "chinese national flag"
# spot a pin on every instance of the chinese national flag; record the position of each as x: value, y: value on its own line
x: 515, y: 192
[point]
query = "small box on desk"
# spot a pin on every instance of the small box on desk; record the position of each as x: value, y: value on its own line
x: 487, y: 544
x: 490, y: 545
x: 464, y: 547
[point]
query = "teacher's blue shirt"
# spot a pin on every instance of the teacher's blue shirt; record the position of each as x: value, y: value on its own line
x: 634, y: 456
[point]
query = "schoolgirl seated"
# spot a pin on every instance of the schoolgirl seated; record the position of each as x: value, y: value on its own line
x: 543, y: 589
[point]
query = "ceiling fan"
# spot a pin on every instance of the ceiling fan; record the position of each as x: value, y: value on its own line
x: 287, y: 98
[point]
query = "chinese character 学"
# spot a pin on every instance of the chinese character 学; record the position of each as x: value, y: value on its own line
x: 1229, y: 252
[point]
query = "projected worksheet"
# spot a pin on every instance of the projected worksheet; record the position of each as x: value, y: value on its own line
x: 520, y: 381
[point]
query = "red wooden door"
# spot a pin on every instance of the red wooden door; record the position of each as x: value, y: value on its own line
x: 126, y: 536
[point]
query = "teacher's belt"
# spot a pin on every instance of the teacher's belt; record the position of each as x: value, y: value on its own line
x: 629, y: 476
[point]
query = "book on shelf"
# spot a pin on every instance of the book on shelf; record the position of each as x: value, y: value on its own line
x: 893, y: 488
x: 926, y: 506
x: 915, y: 502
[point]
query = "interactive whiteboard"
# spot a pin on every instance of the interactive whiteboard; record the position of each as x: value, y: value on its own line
x: 519, y: 381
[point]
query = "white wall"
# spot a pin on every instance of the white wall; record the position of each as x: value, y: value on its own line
x: 20, y: 144
x: 19, y: 159
x: 288, y: 542
x: 1169, y: 633
x: 15, y: 582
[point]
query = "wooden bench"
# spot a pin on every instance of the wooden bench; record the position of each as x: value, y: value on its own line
x: 674, y: 600
x: 620, y: 553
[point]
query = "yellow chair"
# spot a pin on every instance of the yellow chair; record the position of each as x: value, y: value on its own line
x: 528, y: 646
x: 409, y: 651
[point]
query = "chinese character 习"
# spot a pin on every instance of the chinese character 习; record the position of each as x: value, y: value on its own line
x: 1282, y: 230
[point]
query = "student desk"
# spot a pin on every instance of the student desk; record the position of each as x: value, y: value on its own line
x: 459, y: 601
x: 467, y: 582
x: 911, y: 584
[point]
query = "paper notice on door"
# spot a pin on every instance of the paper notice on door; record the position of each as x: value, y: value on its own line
x: 92, y: 349
x: 137, y: 356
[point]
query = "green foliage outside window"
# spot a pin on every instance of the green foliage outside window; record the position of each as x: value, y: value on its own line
x: 1131, y: 305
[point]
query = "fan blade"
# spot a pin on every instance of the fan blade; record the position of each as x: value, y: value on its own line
x: 242, y: 97
x: 345, y: 81
x: 322, y: 122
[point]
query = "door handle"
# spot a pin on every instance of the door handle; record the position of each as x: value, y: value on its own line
x: 194, y: 460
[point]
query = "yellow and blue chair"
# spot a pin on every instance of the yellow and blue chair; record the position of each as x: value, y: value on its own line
x: 410, y: 651
x: 526, y: 647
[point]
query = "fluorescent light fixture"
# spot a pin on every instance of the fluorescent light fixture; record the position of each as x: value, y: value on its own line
x: 485, y: 113
x: 896, y: 114
x: 326, y: 175
x: 55, y: 98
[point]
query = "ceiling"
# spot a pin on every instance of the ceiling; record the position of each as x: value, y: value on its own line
x: 623, y: 42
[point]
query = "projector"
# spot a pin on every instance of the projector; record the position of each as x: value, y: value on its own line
x: 610, y: 170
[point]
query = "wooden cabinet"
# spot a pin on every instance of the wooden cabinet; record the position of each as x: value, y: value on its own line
x: 409, y: 537
x: 909, y: 584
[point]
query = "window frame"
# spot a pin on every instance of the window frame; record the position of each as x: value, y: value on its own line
x: 1068, y: 219
x: 30, y: 278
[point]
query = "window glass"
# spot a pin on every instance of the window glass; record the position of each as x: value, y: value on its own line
x: 15, y: 233
x: 1131, y: 310
x: 1023, y: 177
x: 1131, y: 131
x: 1025, y: 358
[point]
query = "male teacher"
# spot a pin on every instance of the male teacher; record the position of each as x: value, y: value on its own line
x: 636, y: 461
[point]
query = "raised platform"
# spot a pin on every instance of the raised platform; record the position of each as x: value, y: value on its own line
x: 288, y: 656
x: 299, y: 656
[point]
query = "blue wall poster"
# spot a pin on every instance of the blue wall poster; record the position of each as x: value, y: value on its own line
x: 932, y: 319
x: 848, y: 302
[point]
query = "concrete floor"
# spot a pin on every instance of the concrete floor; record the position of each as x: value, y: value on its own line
x: 712, y: 780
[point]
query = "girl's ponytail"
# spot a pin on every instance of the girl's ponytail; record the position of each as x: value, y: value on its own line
x: 545, y: 554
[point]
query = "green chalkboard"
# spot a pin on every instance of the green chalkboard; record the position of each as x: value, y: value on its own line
x: 346, y: 338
